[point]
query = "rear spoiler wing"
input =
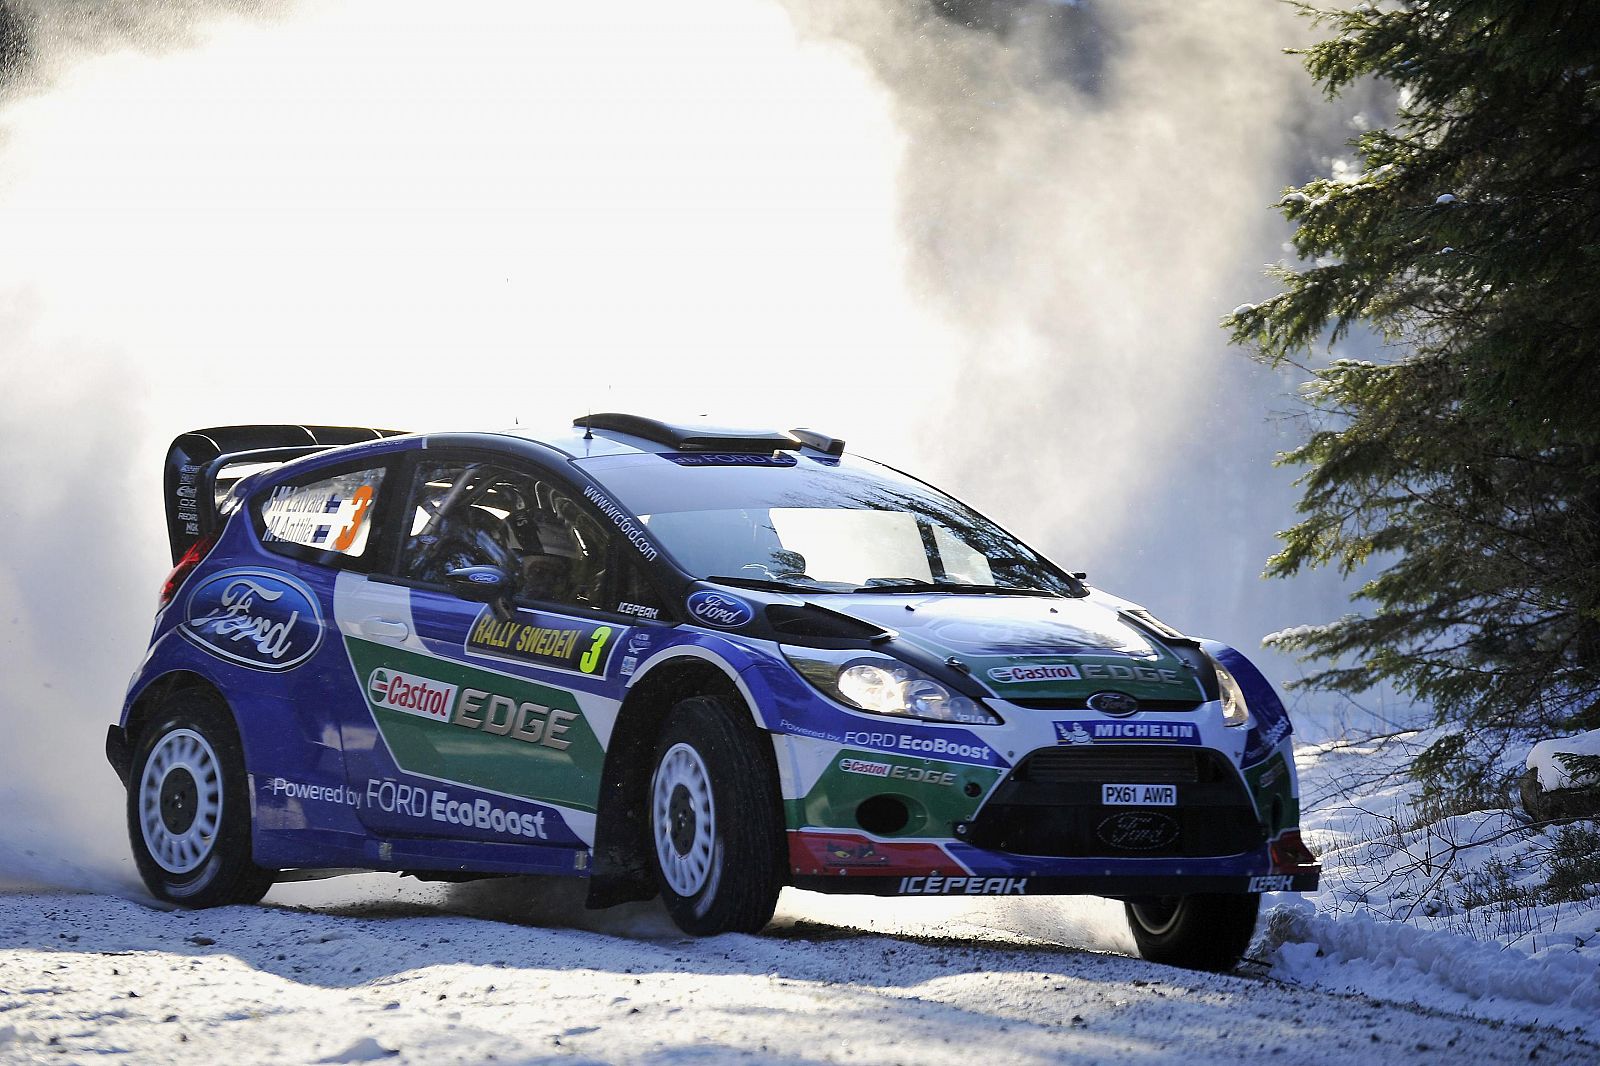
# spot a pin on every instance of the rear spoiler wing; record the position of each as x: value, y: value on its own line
x: 203, y: 464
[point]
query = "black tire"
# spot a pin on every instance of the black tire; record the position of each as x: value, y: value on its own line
x: 716, y: 834
x: 189, y: 807
x: 1199, y: 932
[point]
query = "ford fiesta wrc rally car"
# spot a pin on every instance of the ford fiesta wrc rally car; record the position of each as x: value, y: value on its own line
x: 676, y: 660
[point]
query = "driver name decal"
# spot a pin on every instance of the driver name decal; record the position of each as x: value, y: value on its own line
x: 543, y: 640
x: 332, y: 514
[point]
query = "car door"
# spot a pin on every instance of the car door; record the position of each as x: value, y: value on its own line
x: 271, y: 612
x: 486, y: 723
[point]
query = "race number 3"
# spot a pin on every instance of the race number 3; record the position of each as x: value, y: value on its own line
x: 591, y: 658
x: 347, y: 536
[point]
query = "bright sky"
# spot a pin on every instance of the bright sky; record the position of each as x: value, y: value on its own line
x: 365, y: 215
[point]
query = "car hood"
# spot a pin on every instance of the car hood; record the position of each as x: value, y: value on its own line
x: 1033, y: 648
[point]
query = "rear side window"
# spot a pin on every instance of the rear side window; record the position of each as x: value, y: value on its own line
x: 329, y: 515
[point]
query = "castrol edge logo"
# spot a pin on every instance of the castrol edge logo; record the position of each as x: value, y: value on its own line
x: 421, y: 696
x: 1036, y: 672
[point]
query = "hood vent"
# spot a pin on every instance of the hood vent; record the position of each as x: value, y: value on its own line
x: 813, y: 623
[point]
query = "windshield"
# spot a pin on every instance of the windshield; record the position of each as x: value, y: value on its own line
x: 824, y: 525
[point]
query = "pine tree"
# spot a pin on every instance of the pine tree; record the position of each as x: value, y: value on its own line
x: 1463, y: 466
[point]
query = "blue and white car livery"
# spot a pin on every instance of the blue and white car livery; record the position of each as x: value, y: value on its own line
x: 697, y: 662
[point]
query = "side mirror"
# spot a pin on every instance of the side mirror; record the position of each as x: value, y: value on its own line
x: 482, y: 584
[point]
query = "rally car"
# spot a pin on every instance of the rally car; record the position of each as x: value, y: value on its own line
x: 672, y: 659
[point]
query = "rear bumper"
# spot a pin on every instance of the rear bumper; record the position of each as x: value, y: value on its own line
x: 118, y: 753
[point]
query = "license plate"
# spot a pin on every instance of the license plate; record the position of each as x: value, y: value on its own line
x: 1139, y: 795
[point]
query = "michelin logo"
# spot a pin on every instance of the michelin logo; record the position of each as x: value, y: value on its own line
x: 1080, y: 732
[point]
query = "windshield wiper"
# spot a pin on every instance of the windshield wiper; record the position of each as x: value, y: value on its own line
x: 770, y: 584
x: 913, y: 585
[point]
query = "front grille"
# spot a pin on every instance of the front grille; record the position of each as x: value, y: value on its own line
x: 1051, y: 804
x: 1120, y: 765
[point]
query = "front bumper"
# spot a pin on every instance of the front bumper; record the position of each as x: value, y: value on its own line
x: 839, y: 862
x: 886, y: 807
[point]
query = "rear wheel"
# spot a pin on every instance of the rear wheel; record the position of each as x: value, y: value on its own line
x: 716, y: 830
x: 189, y: 809
x: 1199, y: 932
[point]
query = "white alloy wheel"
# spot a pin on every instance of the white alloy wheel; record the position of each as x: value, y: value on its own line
x: 180, y: 801
x: 684, y: 819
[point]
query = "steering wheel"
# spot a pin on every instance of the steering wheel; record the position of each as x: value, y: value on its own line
x: 463, y: 531
x: 469, y: 530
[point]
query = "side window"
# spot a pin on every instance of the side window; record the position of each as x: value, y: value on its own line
x: 467, y: 513
x: 635, y: 594
x: 323, y: 519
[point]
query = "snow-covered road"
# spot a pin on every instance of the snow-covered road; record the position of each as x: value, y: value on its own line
x: 430, y: 974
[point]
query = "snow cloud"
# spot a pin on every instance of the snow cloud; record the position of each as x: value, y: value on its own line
x: 1085, y: 192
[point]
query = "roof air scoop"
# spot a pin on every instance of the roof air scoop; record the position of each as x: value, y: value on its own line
x: 820, y: 441
x: 698, y: 438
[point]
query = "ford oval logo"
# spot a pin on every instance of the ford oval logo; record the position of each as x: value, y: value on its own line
x: 256, y: 618
x: 1116, y: 704
x: 1137, y: 830
x: 720, y: 610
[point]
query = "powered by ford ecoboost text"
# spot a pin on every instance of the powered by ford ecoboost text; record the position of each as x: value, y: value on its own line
x: 697, y: 662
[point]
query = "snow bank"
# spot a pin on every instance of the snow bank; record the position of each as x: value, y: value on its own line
x: 1446, y: 901
x: 1553, y: 773
x: 1434, y: 968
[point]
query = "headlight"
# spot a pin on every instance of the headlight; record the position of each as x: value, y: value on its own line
x: 1234, y: 709
x: 883, y: 685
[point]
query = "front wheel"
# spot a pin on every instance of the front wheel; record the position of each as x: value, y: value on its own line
x: 189, y: 808
x: 1199, y: 932
x: 716, y: 830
